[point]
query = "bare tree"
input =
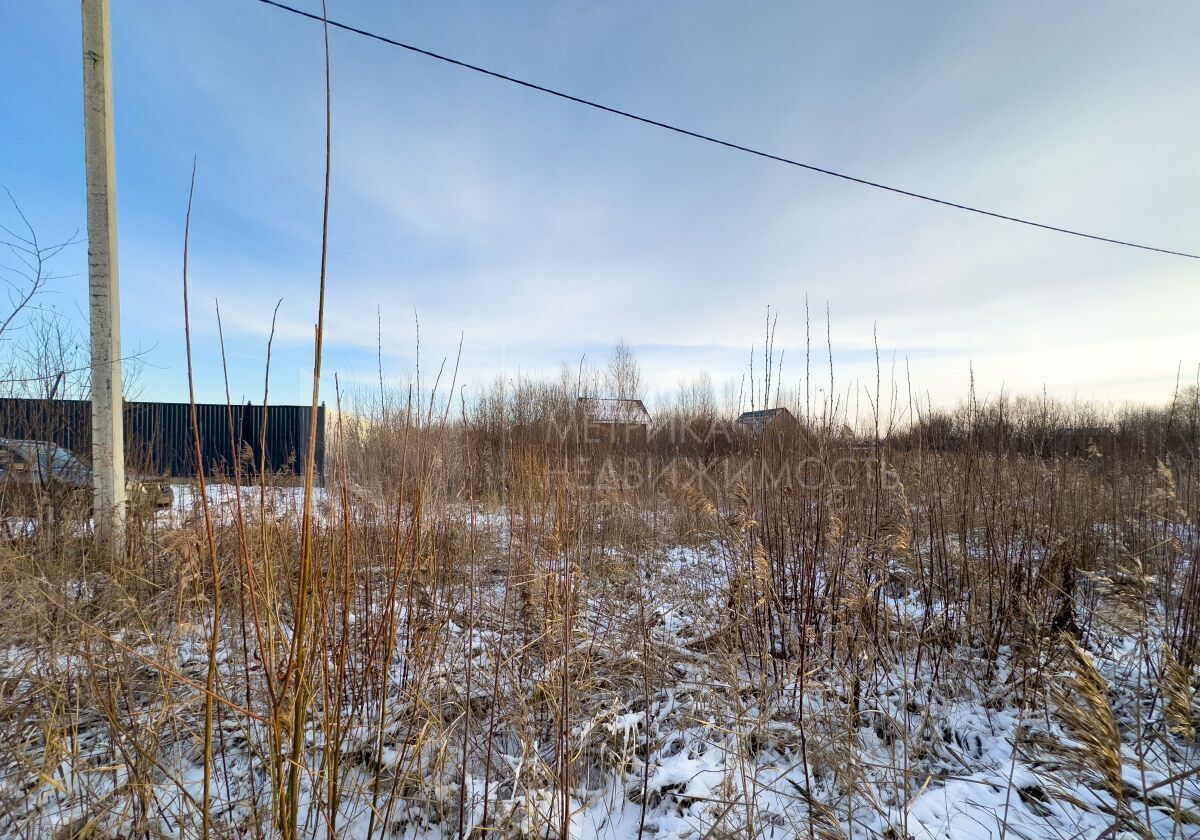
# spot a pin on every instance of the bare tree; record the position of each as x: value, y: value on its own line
x: 41, y: 350
x: 623, y: 378
x: 696, y: 396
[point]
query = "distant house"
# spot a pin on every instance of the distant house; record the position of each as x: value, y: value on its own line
x: 604, y: 420
x: 758, y: 422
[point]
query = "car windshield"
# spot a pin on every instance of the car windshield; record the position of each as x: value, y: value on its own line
x: 52, y: 461
x: 55, y: 459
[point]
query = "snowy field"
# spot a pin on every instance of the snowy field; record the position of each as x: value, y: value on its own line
x: 668, y: 727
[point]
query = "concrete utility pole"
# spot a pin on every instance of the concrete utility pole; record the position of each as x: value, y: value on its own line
x: 108, y: 437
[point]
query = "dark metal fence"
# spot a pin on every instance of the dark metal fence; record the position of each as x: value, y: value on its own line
x: 159, y: 437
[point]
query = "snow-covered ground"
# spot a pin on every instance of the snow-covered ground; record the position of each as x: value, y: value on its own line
x: 671, y: 734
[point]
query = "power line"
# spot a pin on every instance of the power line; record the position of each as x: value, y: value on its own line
x: 715, y: 140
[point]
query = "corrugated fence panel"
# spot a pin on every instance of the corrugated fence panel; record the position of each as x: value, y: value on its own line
x: 159, y: 437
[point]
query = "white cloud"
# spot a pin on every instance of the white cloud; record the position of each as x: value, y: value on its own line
x: 540, y: 230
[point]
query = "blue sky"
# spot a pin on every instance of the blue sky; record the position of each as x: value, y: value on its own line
x: 540, y: 231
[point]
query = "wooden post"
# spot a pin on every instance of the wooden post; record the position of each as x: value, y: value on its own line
x: 108, y: 444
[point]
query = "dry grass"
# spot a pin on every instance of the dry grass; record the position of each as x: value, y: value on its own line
x: 498, y: 645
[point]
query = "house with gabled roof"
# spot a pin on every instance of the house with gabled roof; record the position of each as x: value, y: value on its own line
x: 609, y: 420
x: 759, y: 421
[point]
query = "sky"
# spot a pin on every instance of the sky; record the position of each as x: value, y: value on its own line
x: 538, y: 232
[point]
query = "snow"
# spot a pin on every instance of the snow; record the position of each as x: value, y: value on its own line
x: 708, y: 752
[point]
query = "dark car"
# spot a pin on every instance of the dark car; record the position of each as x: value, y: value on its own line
x: 35, y: 474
